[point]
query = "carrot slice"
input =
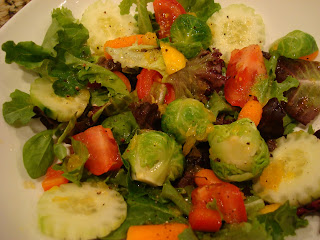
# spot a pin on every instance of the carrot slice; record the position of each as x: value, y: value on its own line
x: 252, y: 110
x: 311, y: 56
x: 206, y: 177
x: 140, y: 39
x: 169, y: 231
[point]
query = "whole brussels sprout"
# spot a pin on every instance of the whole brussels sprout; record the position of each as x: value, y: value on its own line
x: 187, y: 117
x: 237, y: 151
x: 154, y: 157
x: 295, y: 44
x: 189, y: 35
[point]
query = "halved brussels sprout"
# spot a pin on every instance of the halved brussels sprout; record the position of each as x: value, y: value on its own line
x: 237, y: 151
x: 187, y: 117
x: 154, y: 157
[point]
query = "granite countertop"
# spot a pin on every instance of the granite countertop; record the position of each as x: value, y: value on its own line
x: 8, y: 8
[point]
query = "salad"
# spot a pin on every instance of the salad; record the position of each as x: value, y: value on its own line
x: 174, y: 124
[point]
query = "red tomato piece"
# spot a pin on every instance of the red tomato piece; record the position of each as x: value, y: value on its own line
x: 204, y: 219
x: 53, y: 178
x: 244, y: 67
x: 228, y: 197
x: 103, y: 150
x: 166, y: 11
x: 145, y: 81
x: 170, y: 96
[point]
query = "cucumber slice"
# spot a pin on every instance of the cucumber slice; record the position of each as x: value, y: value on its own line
x: 235, y: 27
x: 104, y: 22
x: 58, y: 108
x: 293, y: 172
x: 87, y: 212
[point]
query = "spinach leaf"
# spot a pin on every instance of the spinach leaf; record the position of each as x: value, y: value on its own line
x: 202, y: 8
x: 38, y: 153
x: 60, y: 151
x: 19, y: 110
x: 187, y: 234
x: 123, y: 126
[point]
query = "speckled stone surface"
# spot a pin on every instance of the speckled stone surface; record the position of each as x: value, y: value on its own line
x: 10, y: 7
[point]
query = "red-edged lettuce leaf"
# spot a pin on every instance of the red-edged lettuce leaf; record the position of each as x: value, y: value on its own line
x: 201, y: 76
x: 304, y: 101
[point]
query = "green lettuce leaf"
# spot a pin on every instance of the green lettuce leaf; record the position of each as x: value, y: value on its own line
x: 19, y: 110
x: 65, y: 35
x: 282, y: 222
x: 202, y: 8
x: 144, y: 22
x: 266, y: 89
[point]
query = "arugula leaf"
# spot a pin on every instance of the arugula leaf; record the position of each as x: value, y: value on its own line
x: 202, y: 8
x: 98, y: 74
x: 144, y: 22
x: 27, y: 54
x: 38, y: 153
x: 65, y: 35
x: 99, y: 97
x: 19, y: 110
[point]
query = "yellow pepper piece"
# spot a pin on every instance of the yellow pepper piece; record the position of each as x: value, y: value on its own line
x: 173, y: 59
x: 270, y: 208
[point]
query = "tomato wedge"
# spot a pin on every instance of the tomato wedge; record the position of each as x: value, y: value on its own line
x: 228, y: 198
x: 53, y: 178
x: 145, y: 81
x: 103, y: 150
x: 205, y: 220
x: 166, y: 11
x: 170, y: 96
x: 244, y: 67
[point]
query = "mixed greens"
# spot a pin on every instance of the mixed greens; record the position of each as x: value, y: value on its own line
x: 135, y: 110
